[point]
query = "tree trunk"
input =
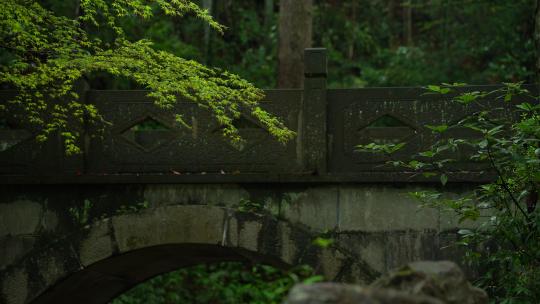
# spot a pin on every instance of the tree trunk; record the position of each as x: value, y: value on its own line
x: 392, y: 40
x: 77, y: 11
x: 295, y: 30
x: 207, y: 5
x: 350, y: 53
x: 407, y: 22
x: 537, y: 41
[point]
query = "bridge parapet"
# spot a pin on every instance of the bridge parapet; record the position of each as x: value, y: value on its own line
x: 142, y: 143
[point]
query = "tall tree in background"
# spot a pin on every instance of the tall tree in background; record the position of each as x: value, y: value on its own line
x: 207, y: 5
x: 537, y: 41
x: 407, y: 23
x: 391, y: 17
x: 295, y: 31
x: 481, y: 42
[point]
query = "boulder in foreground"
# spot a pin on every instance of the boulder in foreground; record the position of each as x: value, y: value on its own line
x: 422, y: 282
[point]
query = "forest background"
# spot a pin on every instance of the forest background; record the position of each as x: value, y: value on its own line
x: 369, y: 42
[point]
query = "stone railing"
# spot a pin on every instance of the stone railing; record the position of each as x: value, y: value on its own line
x: 144, y: 145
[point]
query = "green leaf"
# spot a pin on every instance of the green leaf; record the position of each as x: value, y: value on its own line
x: 322, y: 242
x: 464, y: 231
x: 395, y: 147
x: 445, y: 91
x: 444, y: 179
x: 525, y: 106
x: 427, y: 153
x: 313, y: 279
x: 483, y: 143
x: 437, y: 129
x: 495, y: 130
x: 468, y: 97
x: 414, y: 164
x: 434, y: 88
x: 383, y: 148
x: 438, y: 89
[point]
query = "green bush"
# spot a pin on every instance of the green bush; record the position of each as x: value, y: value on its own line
x: 220, y: 283
x: 505, y: 246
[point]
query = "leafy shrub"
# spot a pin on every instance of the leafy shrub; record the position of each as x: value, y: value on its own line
x: 221, y: 283
x: 505, y: 246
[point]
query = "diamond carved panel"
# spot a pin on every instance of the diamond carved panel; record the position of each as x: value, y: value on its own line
x: 149, y: 133
x: 386, y: 129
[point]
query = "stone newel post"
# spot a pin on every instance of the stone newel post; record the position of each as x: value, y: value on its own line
x: 314, y: 108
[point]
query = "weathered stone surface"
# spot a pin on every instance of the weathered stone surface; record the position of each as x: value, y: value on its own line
x: 100, y: 248
x: 373, y: 251
x: 19, y: 217
x: 443, y: 280
x: 51, y: 268
x: 289, y: 248
x: 422, y: 282
x: 169, y: 225
x: 231, y: 234
x: 49, y: 222
x: 15, y: 287
x: 224, y: 195
x: 372, y: 208
x: 357, y: 274
x: 377, y: 225
x: 98, y: 244
x: 331, y: 262
x: 402, y: 247
x: 333, y: 293
x: 248, y: 235
x: 14, y: 247
x: 316, y: 208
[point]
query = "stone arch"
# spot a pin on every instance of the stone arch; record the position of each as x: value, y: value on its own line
x: 111, y: 255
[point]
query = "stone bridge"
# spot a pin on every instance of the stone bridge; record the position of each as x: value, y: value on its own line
x: 89, y: 243
x: 149, y: 197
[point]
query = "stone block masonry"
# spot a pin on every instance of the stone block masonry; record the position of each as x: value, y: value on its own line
x: 136, y: 231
